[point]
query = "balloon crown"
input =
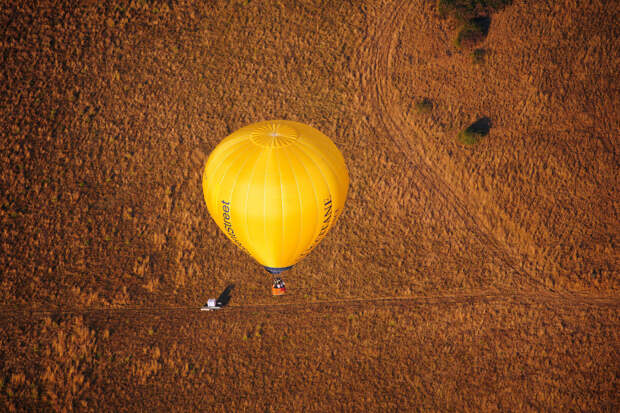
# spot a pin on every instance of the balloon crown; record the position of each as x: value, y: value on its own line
x: 274, y: 134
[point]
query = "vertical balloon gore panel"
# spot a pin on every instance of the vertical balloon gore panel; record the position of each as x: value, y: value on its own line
x: 275, y: 188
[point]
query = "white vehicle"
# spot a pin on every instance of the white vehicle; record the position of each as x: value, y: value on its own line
x: 212, y: 305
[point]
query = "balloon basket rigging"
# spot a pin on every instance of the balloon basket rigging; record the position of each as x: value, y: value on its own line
x: 278, y: 287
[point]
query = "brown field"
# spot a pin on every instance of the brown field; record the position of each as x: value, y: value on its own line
x: 459, y: 278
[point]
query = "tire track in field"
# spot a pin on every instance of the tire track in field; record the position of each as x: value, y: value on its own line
x: 388, y: 119
x: 479, y: 297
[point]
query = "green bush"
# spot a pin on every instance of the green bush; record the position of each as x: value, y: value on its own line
x: 469, y: 34
x: 469, y: 137
x: 475, y: 132
x: 424, y: 106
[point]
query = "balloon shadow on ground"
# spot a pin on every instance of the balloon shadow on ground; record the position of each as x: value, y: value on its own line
x: 225, y: 296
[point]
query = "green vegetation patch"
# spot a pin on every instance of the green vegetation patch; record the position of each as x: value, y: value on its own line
x: 471, y: 33
x: 424, y: 106
x: 474, y: 17
x: 475, y: 132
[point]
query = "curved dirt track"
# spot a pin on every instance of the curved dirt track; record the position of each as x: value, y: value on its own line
x: 388, y: 120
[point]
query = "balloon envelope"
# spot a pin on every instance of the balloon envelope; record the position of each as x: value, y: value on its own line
x: 275, y: 188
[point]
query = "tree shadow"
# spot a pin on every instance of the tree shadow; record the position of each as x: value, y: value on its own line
x: 481, y: 127
x: 475, y: 132
x: 482, y: 22
x: 472, y: 32
x: 225, y: 296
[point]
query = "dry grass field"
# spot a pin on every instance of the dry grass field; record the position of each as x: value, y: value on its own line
x: 459, y: 277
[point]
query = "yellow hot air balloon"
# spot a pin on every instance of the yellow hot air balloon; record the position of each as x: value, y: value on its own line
x: 275, y: 188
